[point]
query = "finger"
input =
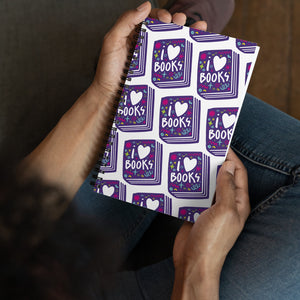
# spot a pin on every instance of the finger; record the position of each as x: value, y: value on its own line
x: 226, y: 188
x: 180, y: 241
x: 161, y: 14
x: 184, y: 231
x: 200, y: 25
x: 232, y: 156
x: 186, y: 227
x: 241, y: 182
x: 241, y: 179
x: 127, y: 22
x: 179, y: 18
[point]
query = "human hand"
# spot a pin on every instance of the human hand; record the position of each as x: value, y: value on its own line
x: 200, y: 249
x: 117, y: 44
x: 66, y: 156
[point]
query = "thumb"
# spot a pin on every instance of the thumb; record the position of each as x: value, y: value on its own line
x: 127, y: 22
x: 232, y: 188
x: 226, y: 187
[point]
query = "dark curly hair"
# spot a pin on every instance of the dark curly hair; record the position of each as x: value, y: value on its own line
x: 42, y: 257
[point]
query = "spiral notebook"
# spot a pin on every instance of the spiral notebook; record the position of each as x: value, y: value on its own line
x: 176, y: 116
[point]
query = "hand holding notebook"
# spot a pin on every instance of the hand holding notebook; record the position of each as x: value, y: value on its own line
x: 200, y: 249
x: 64, y: 157
x: 176, y: 116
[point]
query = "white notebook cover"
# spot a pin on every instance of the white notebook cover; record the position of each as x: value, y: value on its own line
x: 176, y: 117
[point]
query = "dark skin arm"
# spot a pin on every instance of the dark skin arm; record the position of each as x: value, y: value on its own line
x: 200, y: 249
x: 67, y: 154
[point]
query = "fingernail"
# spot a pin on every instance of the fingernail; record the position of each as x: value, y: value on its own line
x: 142, y: 6
x: 231, y: 169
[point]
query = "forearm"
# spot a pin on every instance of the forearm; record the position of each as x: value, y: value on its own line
x: 195, y: 284
x: 67, y: 154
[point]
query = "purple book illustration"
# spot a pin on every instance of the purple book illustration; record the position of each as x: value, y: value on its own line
x: 135, y: 112
x: 248, y: 67
x: 171, y: 63
x: 188, y: 175
x: 156, y: 25
x: 218, y: 72
x: 245, y: 46
x: 175, y: 118
x: 204, y: 36
x: 157, y: 202
x: 219, y: 129
x: 142, y: 162
x: 190, y: 214
x: 138, y: 61
x: 111, y: 188
x: 109, y: 159
x: 179, y: 119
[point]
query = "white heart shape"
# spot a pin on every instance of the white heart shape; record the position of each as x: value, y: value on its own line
x: 108, y: 191
x: 143, y: 151
x: 135, y: 98
x: 152, y: 204
x: 228, y: 120
x: 189, y: 164
x: 219, y: 63
x: 173, y: 51
x: 180, y: 108
x: 196, y: 215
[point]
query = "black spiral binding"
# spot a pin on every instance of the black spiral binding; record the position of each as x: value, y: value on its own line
x: 110, y: 133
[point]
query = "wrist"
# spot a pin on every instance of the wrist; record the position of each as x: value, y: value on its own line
x: 100, y: 94
x: 196, y: 281
x: 65, y: 157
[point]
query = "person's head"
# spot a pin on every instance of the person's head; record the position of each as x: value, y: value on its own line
x: 41, y: 257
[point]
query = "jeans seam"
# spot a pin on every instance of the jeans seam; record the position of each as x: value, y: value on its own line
x: 242, y: 150
x: 261, y: 207
x: 296, y: 174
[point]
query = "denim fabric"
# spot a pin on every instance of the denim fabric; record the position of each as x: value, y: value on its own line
x: 265, y: 261
x: 127, y: 222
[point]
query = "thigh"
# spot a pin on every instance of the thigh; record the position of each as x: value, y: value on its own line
x: 268, y: 142
x: 151, y: 282
x: 127, y: 222
x: 265, y: 261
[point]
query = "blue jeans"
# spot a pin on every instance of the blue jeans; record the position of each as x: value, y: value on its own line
x: 265, y: 261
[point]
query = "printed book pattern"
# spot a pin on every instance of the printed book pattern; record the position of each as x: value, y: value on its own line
x: 190, y: 213
x: 142, y: 162
x: 175, y: 119
x: 135, y: 110
x: 137, y: 66
x: 218, y: 74
x: 188, y: 175
x: 171, y: 66
x: 157, y: 202
x: 219, y: 129
x: 179, y: 119
x: 110, y: 158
